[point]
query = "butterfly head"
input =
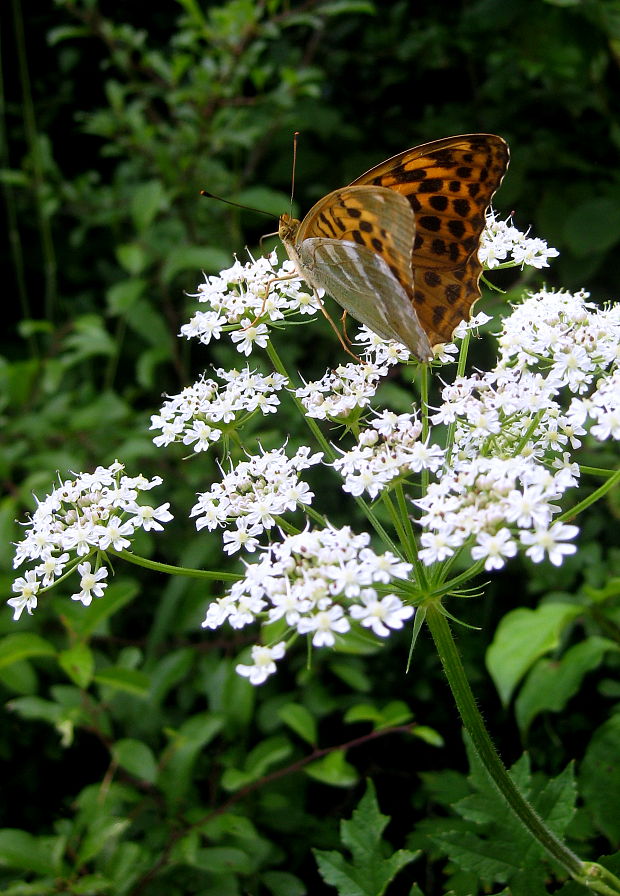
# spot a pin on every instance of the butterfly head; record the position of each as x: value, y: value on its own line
x: 287, y: 228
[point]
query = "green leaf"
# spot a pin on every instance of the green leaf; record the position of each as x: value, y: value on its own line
x: 599, y: 778
x: 222, y: 859
x: 92, y: 884
x: 123, y: 295
x: 88, y: 339
x: 369, y: 872
x: 8, y: 508
x: 392, y: 715
x: 521, y: 638
x: 136, y: 758
x: 78, y: 662
x: 593, y: 225
x: 133, y: 259
x: 194, y: 258
x: 41, y: 855
x: 86, y: 620
x: 300, y: 721
x: 268, y: 753
x: 489, y: 842
x: 428, y: 735
x: 129, y: 680
x: 19, y: 677
x: 333, y: 769
x: 283, y: 883
x: 37, y: 708
x: 551, y: 683
x: 148, y: 199
x: 609, y: 590
x: 102, y: 830
x: 186, y: 744
x: 21, y: 646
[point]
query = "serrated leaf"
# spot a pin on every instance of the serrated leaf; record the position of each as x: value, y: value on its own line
x: 495, y: 846
x: 369, y: 872
x: 599, y: 778
x: 522, y: 637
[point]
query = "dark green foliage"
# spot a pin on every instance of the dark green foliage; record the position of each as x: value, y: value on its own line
x: 486, y: 843
x: 135, y: 760
x: 371, y: 870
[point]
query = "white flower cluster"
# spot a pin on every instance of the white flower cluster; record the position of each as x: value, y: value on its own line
x: 244, y: 293
x: 391, y: 447
x: 603, y: 406
x: 342, y: 390
x: 512, y: 433
x: 489, y: 498
x: 253, y: 494
x: 578, y: 338
x: 317, y: 582
x: 503, y: 244
x: 93, y: 512
x: 200, y: 414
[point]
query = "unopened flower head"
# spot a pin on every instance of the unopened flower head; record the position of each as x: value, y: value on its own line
x: 318, y: 582
x: 84, y: 516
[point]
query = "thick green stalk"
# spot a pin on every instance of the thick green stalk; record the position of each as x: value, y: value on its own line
x: 590, y: 874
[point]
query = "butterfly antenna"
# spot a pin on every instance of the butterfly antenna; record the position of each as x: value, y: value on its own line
x: 295, y: 139
x: 249, y: 208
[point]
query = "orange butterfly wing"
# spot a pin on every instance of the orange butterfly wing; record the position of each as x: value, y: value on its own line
x: 449, y: 184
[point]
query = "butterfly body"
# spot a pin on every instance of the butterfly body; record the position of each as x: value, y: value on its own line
x: 398, y: 248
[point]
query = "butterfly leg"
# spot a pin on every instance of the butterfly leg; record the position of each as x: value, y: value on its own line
x: 336, y: 330
x: 343, y: 324
x: 268, y: 290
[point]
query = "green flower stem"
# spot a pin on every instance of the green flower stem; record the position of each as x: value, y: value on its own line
x: 590, y: 874
x: 424, y: 408
x: 175, y: 570
x: 487, y: 753
x: 330, y: 453
x: 599, y: 472
x: 591, y: 499
x: 460, y: 372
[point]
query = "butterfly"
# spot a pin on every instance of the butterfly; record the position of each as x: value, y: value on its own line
x: 398, y: 247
